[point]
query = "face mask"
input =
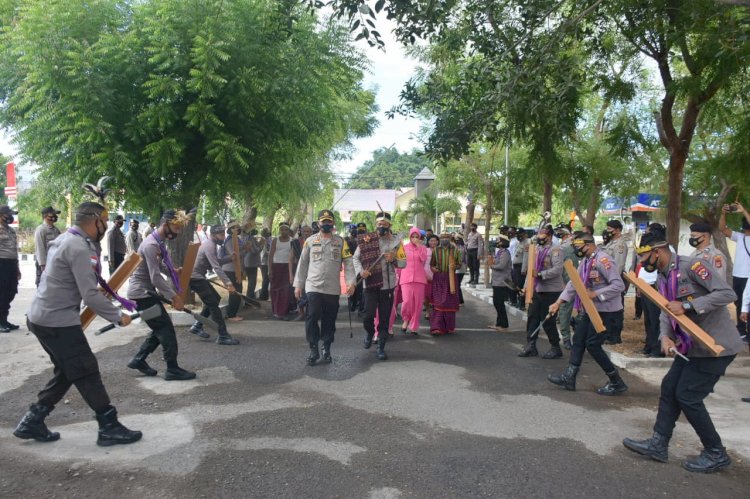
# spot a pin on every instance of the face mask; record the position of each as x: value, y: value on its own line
x: 8, y: 219
x: 650, y: 266
x: 580, y: 252
x: 473, y: 229
x: 53, y: 218
x: 445, y: 243
x: 541, y: 241
x: 100, y: 231
x: 695, y: 241
x: 327, y: 228
x: 520, y: 237
x: 606, y: 236
x: 383, y: 230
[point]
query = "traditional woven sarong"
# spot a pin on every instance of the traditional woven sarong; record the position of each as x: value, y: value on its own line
x: 369, y: 251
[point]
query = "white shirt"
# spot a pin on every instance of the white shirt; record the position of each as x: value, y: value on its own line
x: 741, y: 255
x: 649, y: 277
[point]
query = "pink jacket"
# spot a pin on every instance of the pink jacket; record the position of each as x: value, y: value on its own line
x: 416, y: 261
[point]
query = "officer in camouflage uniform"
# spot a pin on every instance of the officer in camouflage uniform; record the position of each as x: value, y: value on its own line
x: 317, y: 275
x: 692, y: 290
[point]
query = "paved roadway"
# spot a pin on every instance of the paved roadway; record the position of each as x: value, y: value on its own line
x: 457, y: 416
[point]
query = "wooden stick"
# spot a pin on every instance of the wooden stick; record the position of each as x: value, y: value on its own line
x: 187, y: 268
x: 685, y: 323
x: 588, y: 304
x: 530, y: 280
x: 452, y: 278
x: 116, y: 280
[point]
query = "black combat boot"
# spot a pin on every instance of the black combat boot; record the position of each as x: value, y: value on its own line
x: 616, y: 385
x: 178, y: 374
x: 381, y: 349
x: 9, y: 325
x: 709, y: 461
x: 656, y: 447
x: 368, y: 340
x: 139, y: 363
x: 314, y: 354
x: 567, y: 379
x: 112, y: 432
x: 224, y: 337
x: 32, y: 425
x: 613, y: 339
x: 327, y: 353
x: 529, y: 350
x: 197, y: 329
x: 553, y: 353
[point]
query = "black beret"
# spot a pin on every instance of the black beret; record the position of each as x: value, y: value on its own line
x: 700, y: 227
x: 615, y: 224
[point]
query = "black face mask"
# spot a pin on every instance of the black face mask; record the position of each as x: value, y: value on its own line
x: 580, y: 252
x: 648, y: 265
x: 695, y: 241
x: 503, y: 245
x: 53, y: 218
x: 361, y: 231
x: 101, y: 229
x: 606, y: 236
x: 520, y: 237
x: 541, y: 241
x: 383, y: 230
x: 8, y: 219
x: 326, y: 228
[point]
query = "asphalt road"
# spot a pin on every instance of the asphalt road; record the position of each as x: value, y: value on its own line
x: 457, y: 416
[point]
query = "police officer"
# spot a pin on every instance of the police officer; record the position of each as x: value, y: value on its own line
x: 133, y: 239
x: 700, y: 239
x: 227, y: 255
x: 206, y: 260
x: 692, y: 290
x: 44, y: 234
x: 10, y: 272
x: 54, y: 318
x: 547, y: 272
x: 566, y: 308
x: 604, y: 285
x: 148, y: 279
x: 318, y: 275
x: 616, y: 247
x: 116, y: 244
x: 519, y: 256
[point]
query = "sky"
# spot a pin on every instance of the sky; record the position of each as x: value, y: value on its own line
x: 390, y: 69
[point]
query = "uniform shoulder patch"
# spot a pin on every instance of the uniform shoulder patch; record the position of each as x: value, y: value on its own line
x: 700, y: 270
x: 718, y: 261
x: 606, y: 263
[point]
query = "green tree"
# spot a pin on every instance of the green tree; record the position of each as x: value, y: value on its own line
x: 388, y: 169
x: 430, y: 206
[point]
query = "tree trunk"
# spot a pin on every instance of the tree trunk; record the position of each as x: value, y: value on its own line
x: 593, y: 202
x: 470, y: 214
x: 674, y: 194
x: 547, y: 204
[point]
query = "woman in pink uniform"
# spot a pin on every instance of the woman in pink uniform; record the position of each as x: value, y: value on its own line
x: 413, y: 281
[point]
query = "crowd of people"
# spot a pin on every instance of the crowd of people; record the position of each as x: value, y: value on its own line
x: 384, y: 276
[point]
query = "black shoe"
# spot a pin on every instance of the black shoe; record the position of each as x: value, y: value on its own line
x: 10, y: 326
x: 314, y: 355
x: 567, y: 345
x: 613, y: 341
x: 225, y: 339
x: 709, y: 461
x: 32, y: 425
x: 381, y: 350
x: 197, y: 329
x: 368, y: 340
x: 656, y: 447
x: 615, y: 386
x: 178, y: 374
x: 4, y: 329
x: 567, y: 379
x: 112, y: 432
x: 140, y: 364
x: 746, y: 399
x: 529, y: 350
x: 327, y: 354
x: 553, y: 353
x: 656, y: 355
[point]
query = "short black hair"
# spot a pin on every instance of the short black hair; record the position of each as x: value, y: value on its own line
x: 88, y: 211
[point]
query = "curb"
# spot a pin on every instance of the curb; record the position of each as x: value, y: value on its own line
x: 618, y: 359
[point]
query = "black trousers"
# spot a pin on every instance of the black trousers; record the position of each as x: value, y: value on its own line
x: 518, y: 280
x: 38, y: 273
x: 162, y: 332
x: 538, y: 311
x: 210, y: 299
x: 499, y: 295
x: 264, y: 286
x: 459, y: 279
x: 8, y: 285
x: 639, y: 306
x: 682, y: 391
x: 587, y: 339
x: 357, y: 300
x: 320, y: 320
x: 651, y: 313
x: 614, y: 330
x: 380, y: 300
x: 738, y: 284
x: 235, y: 301
x: 252, y: 281
x: 74, y: 364
x: 473, y: 262
x: 115, y: 261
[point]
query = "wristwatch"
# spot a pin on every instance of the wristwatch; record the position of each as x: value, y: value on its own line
x: 687, y: 306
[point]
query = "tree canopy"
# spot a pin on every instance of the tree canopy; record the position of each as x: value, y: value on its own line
x: 388, y: 169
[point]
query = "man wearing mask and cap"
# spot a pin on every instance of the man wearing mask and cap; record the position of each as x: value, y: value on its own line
x: 474, y: 252
x: 227, y: 256
x: 10, y: 272
x: 548, y: 284
x: 694, y: 291
x: 379, y: 279
x: 520, y: 258
x: 318, y: 275
x: 616, y: 247
x: 700, y: 239
x: 70, y: 277
x: 44, y: 234
x: 566, y: 308
x: 603, y: 284
x: 148, y: 279
x: 133, y: 239
x: 116, y: 244
x: 501, y: 267
x: 206, y: 260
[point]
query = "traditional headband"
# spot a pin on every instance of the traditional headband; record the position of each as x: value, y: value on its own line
x: 649, y: 247
x: 179, y: 218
